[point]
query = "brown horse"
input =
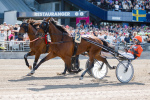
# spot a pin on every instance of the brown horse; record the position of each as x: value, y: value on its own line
x: 37, y: 45
x: 63, y: 46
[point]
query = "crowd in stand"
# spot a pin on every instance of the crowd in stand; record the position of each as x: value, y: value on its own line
x: 111, y: 33
x: 122, y: 5
x: 10, y: 33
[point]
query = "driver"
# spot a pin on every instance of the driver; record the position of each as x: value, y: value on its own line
x: 135, y: 50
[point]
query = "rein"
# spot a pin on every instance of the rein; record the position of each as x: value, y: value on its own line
x: 50, y: 42
x: 45, y: 27
x: 36, y: 39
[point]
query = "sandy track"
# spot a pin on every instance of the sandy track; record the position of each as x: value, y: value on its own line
x: 47, y: 85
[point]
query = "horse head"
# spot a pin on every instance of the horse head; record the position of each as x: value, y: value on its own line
x: 27, y: 27
x: 23, y: 29
x: 44, y: 26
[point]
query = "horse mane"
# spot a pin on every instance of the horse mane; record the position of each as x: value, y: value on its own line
x: 32, y: 24
x: 59, y: 27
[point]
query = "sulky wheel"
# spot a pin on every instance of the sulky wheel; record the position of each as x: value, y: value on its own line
x: 99, y: 70
x: 124, y: 74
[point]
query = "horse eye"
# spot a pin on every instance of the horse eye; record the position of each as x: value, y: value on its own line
x: 44, y: 24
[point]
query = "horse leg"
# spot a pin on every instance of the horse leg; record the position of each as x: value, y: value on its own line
x: 31, y: 53
x: 68, y: 66
x: 104, y: 60
x: 63, y: 73
x: 91, y: 64
x: 49, y: 56
x: 67, y: 61
x: 37, y: 55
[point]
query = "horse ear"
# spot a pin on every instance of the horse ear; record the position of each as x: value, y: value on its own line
x: 23, y: 20
x: 52, y: 19
x: 28, y: 21
x: 47, y: 19
x: 32, y: 20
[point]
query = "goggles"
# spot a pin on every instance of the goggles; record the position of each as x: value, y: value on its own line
x: 135, y: 39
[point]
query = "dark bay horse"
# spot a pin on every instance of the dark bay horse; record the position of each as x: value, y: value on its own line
x: 63, y: 46
x: 37, y: 45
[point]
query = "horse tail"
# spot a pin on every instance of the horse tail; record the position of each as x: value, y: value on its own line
x: 106, y: 44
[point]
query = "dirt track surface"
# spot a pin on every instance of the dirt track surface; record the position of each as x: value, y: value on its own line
x: 45, y: 84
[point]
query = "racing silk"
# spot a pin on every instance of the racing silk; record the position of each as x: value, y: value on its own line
x: 136, y: 50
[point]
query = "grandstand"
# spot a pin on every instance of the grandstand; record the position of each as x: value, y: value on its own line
x: 95, y: 13
x: 100, y: 11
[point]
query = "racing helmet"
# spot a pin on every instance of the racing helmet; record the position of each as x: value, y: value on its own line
x: 139, y: 38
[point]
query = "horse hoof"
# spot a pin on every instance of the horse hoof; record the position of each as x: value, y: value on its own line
x: 80, y: 69
x: 60, y: 73
x: 81, y: 78
x: 31, y: 73
x: 30, y: 67
x: 114, y: 67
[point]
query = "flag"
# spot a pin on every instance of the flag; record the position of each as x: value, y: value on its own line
x: 139, y: 15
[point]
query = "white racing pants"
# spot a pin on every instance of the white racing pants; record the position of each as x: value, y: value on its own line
x: 127, y: 55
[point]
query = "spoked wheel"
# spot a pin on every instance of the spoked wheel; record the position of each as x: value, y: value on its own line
x: 99, y: 70
x: 124, y: 74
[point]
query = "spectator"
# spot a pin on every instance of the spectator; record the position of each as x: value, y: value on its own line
x: 116, y: 7
x: 95, y: 33
x: 78, y: 24
x: 136, y: 7
x: 148, y: 39
x: 11, y: 43
x: 16, y: 30
x: 5, y: 28
x: 100, y: 35
x: 127, y: 39
x: 12, y: 35
x: 110, y: 38
x: 122, y: 38
x: 120, y: 7
x: 2, y: 38
x: 119, y: 38
x: 85, y: 25
x: 106, y: 35
x: 112, y: 6
x: 96, y: 26
x: 147, y: 8
x: 140, y: 7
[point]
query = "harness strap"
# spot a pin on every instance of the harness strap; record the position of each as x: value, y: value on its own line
x: 60, y: 42
x: 36, y: 39
x: 75, y: 48
x: 47, y: 48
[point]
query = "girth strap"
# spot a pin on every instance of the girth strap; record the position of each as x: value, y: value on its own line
x: 47, y: 48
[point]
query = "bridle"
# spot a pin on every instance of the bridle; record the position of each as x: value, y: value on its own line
x: 25, y: 26
x: 44, y: 26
